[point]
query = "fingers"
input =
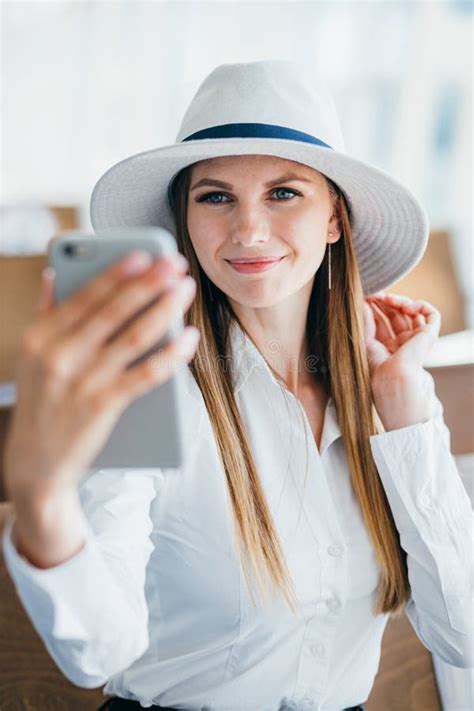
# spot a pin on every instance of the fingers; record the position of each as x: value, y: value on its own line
x: 82, y: 343
x: 384, y: 331
x: 431, y: 315
x: 66, y: 316
x: 403, y: 313
x: 145, y: 331
x: 417, y: 315
x: 399, y: 320
x: 404, y: 304
x: 46, y: 301
x: 68, y: 313
x: 156, y: 369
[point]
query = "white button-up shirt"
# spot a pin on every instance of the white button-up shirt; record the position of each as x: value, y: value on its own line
x: 156, y: 606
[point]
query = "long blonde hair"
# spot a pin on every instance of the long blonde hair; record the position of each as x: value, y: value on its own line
x: 335, y: 338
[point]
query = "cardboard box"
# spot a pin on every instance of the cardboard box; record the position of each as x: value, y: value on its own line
x: 20, y: 279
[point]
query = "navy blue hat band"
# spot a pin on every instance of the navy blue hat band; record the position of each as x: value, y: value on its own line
x: 255, y: 130
x: 248, y: 130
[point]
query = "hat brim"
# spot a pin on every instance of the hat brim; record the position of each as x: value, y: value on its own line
x: 389, y: 225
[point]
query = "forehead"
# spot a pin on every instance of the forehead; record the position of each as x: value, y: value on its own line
x: 266, y: 165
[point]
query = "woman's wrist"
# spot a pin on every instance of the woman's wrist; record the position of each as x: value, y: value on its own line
x: 406, y: 400
x: 48, y: 530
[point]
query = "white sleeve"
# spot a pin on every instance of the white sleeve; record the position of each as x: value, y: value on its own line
x: 433, y: 514
x: 91, y: 610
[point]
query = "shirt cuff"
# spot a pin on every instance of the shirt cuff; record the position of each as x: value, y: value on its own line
x: 54, y: 597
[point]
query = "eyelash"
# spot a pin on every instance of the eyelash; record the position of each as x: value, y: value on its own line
x: 205, y: 198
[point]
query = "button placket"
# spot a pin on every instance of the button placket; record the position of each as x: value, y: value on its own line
x: 321, y: 608
x: 333, y: 604
x: 323, y: 516
x: 318, y: 650
x: 324, y: 520
x: 424, y: 500
x: 411, y: 457
x: 313, y: 664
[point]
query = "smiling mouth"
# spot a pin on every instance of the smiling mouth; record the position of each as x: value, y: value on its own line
x: 255, y: 267
x: 252, y: 260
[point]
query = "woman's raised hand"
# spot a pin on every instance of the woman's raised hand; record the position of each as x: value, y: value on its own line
x: 72, y: 377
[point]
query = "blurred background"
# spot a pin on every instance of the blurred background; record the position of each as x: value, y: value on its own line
x: 86, y: 84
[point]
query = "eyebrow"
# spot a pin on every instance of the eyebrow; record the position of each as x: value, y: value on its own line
x: 287, y: 178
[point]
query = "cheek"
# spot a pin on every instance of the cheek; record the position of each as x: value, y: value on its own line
x: 204, y: 237
x: 307, y: 244
x: 303, y: 228
x: 209, y: 251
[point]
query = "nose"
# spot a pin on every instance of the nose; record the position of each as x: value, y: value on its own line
x: 250, y: 228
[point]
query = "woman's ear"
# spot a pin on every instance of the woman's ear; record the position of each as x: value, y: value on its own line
x: 334, y: 233
x: 334, y: 229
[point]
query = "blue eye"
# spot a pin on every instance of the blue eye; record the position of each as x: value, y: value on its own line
x: 285, y: 190
x: 207, y: 197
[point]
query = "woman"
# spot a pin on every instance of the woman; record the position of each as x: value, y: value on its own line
x: 318, y: 473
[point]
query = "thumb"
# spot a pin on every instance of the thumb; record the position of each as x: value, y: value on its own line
x: 46, y: 298
x: 369, y: 323
x: 376, y: 354
x: 376, y: 351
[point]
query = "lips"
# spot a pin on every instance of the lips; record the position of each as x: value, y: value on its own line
x: 254, y: 267
x: 253, y: 260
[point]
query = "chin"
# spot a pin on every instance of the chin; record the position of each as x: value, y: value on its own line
x: 254, y: 302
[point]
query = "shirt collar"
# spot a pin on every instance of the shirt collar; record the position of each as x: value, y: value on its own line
x: 245, y: 357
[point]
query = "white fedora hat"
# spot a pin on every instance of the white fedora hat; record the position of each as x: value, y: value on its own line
x: 280, y: 108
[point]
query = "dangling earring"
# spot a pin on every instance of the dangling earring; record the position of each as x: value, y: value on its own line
x: 329, y: 259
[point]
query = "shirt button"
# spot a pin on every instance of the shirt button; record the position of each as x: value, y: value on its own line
x: 335, y: 550
x: 411, y: 457
x: 424, y: 500
x: 333, y: 604
x: 317, y: 650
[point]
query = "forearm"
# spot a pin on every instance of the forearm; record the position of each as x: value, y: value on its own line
x: 433, y: 515
x: 48, y: 530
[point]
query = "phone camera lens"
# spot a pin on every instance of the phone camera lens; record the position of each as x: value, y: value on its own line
x: 69, y: 249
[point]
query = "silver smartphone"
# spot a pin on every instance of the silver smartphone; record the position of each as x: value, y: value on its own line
x: 149, y: 433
